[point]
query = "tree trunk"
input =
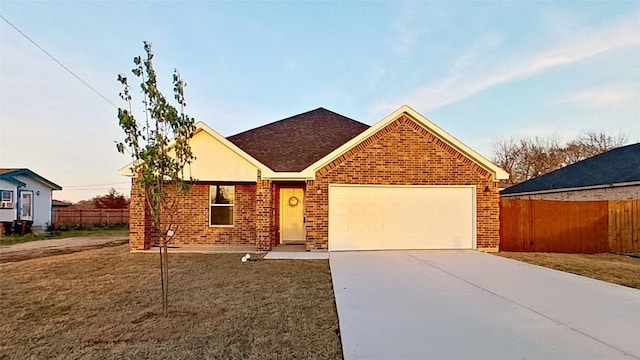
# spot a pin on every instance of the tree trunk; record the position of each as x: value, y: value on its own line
x: 164, y: 305
x: 165, y: 290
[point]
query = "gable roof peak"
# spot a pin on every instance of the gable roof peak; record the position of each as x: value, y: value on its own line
x: 498, y: 173
x: 295, y: 142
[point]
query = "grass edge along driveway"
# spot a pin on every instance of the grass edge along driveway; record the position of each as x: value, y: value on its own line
x: 613, y: 268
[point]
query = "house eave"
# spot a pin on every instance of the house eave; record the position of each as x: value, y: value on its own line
x: 579, y: 188
x: 13, y: 180
x: 288, y: 176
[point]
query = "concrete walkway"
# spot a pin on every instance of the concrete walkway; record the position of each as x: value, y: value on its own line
x: 295, y: 252
x: 31, y: 249
x: 471, y: 305
x: 203, y: 249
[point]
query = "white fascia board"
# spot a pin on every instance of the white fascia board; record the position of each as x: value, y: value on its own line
x: 201, y: 126
x: 591, y: 187
x: 499, y: 174
x: 287, y: 176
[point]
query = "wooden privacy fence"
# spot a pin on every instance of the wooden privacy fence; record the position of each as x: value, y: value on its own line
x: 624, y: 226
x: 570, y: 226
x: 91, y: 216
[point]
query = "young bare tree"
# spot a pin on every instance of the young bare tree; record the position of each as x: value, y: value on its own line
x: 159, y: 147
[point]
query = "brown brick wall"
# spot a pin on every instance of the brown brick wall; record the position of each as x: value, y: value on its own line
x: 402, y: 153
x: 139, y: 219
x: 193, y: 219
x: 264, y: 210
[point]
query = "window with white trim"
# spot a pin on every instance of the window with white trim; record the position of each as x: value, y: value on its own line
x: 6, y: 199
x: 221, y: 201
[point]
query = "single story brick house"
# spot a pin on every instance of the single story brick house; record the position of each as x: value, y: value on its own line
x: 612, y: 175
x: 333, y: 183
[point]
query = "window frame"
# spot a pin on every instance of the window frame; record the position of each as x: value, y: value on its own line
x: 2, y: 200
x: 232, y: 206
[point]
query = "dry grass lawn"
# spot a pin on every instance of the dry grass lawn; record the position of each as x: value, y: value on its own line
x: 104, y: 303
x: 617, y: 269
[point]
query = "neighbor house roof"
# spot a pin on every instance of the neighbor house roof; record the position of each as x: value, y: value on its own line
x: 60, y: 203
x: 620, y: 166
x: 294, y: 143
x: 10, y: 175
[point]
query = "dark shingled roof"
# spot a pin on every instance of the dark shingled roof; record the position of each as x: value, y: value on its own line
x: 292, y: 144
x: 619, y: 165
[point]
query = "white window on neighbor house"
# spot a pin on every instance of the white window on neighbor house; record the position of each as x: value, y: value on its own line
x: 6, y: 199
x: 221, y: 200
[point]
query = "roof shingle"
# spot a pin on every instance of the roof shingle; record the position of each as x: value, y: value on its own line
x: 294, y: 143
x: 620, y: 165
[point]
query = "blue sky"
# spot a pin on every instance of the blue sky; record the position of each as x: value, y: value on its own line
x: 480, y: 70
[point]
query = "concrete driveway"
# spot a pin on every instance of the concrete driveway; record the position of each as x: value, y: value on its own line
x: 470, y: 305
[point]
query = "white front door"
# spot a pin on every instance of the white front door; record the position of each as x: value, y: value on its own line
x: 26, y: 205
x: 292, y: 215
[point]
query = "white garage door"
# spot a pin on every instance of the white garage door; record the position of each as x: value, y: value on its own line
x: 371, y: 217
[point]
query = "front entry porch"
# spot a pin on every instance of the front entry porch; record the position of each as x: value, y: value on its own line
x: 295, y: 252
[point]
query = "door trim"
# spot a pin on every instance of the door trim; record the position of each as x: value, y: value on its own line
x: 281, y: 216
x: 20, y: 203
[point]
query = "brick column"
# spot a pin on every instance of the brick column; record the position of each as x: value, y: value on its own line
x: 139, y: 219
x: 264, y: 199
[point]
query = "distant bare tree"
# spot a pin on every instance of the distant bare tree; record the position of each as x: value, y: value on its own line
x: 539, y: 156
x: 112, y: 200
x: 526, y: 158
x: 507, y: 153
x: 591, y: 143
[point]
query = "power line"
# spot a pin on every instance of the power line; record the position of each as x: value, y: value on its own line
x: 57, y: 61
x: 93, y: 189
x: 89, y: 185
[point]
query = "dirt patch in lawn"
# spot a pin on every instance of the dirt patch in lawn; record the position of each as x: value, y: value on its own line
x: 104, y: 303
x: 617, y: 269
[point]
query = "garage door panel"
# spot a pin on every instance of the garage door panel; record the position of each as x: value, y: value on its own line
x: 411, y: 217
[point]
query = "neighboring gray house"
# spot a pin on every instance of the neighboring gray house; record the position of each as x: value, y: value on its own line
x: 613, y: 175
x: 25, y: 195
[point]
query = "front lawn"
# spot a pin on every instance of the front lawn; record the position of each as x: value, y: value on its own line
x: 617, y: 269
x: 104, y: 303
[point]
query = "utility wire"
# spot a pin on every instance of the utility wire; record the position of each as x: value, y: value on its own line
x: 89, y: 185
x: 95, y: 189
x: 57, y: 61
